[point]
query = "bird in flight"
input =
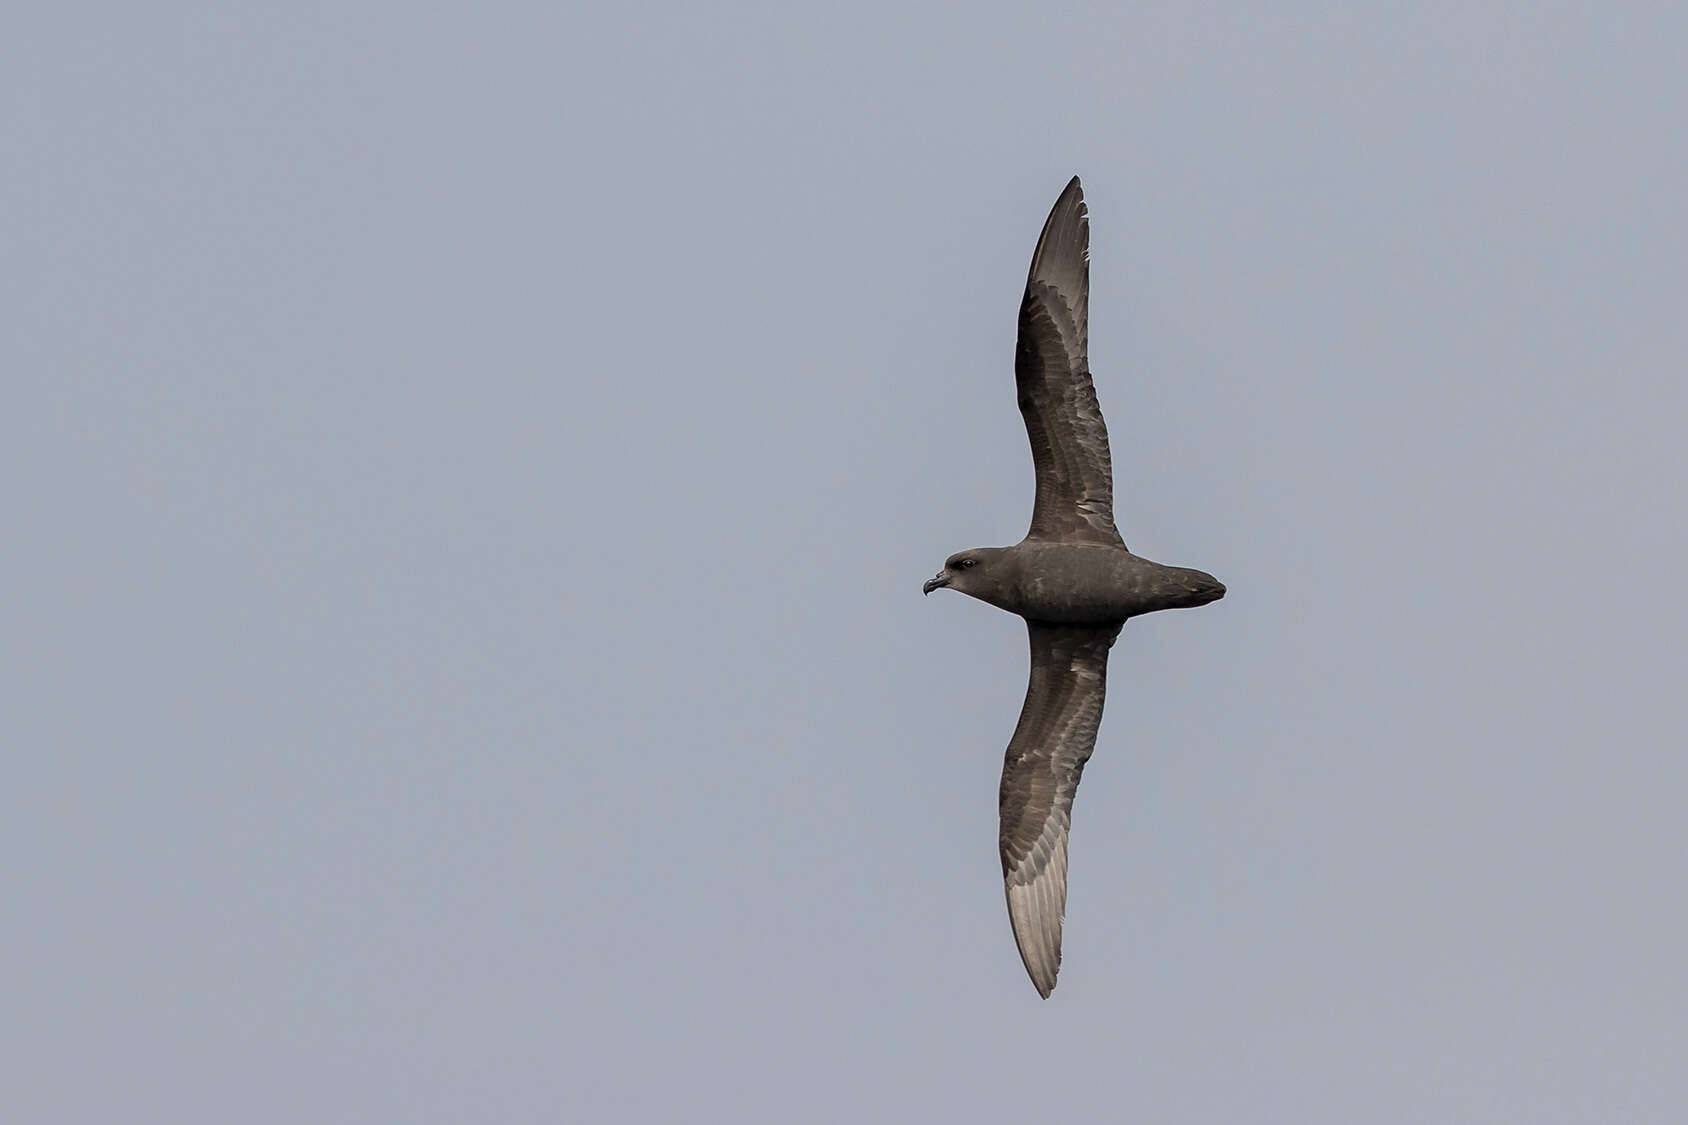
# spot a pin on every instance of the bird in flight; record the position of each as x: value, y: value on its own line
x: 1071, y: 578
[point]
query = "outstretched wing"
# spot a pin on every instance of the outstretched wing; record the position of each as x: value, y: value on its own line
x: 1075, y: 478
x: 1040, y: 774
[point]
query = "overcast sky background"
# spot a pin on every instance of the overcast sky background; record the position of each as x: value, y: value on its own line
x: 469, y: 470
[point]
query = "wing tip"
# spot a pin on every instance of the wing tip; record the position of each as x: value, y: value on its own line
x: 1042, y: 975
x: 1036, y: 914
x: 1068, y: 225
x: 1044, y: 984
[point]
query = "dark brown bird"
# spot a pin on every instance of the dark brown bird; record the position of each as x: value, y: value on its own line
x: 1071, y: 578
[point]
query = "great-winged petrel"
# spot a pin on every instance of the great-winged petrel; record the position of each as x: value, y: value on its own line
x: 1071, y: 578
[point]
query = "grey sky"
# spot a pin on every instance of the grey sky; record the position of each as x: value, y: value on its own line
x: 469, y: 473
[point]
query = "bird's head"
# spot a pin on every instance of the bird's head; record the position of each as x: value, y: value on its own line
x: 969, y: 572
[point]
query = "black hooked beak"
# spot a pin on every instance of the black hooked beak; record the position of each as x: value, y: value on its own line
x: 936, y: 582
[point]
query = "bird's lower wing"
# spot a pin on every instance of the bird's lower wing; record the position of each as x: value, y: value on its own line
x: 1045, y: 759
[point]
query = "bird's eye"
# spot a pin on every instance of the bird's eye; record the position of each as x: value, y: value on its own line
x: 965, y: 563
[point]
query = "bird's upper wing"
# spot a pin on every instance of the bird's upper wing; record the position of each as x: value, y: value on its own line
x: 1043, y: 765
x: 1075, y: 478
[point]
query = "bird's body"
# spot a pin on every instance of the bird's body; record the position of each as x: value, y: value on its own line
x: 1085, y: 583
x: 1071, y: 578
